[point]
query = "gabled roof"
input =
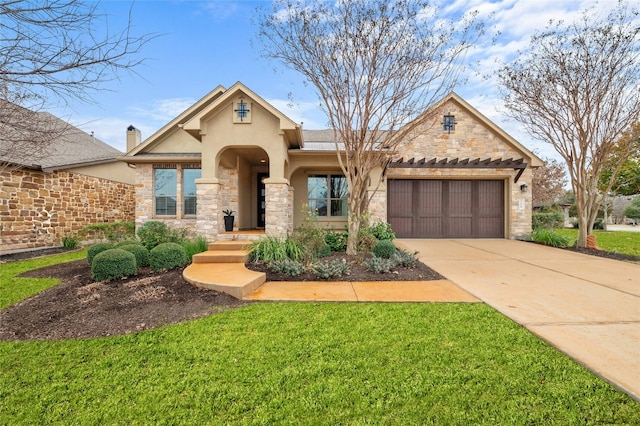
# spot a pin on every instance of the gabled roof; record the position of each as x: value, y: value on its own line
x: 535, y: 160
x: 194, y: 123
x: 186, y: 115
x: 55, y: 144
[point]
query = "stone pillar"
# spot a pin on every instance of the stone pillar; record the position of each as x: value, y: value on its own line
x: 278, y: 218
x: 209, y: 208
x: 377, y: 206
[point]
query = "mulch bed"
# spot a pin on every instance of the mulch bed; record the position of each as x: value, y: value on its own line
x: 81, y: 308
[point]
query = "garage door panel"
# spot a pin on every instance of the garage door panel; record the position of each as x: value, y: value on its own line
x: 429, y: 226
x: 446, y: 208
x: 460, y: 227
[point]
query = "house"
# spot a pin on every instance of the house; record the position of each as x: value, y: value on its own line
x: 460, y: 177
x: 57, y: 186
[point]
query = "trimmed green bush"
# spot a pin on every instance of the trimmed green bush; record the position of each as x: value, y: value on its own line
x: 384, y: 249
x: 167, y: 256
x: 382, y: 231
x: 127, y: 243
x: 140, y: 252
x: 113, y: 264
x: 95, y: 249
x: 153, y: 233
x: 550, y: 238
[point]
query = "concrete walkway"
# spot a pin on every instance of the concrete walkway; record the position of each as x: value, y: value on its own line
x: 587, y: 307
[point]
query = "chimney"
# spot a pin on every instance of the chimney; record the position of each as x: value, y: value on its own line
x: 133, y: 137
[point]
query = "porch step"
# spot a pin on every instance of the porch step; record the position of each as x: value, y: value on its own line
x: 221, y: 256
x: 231, y: 278
x: 221, y: 268
x: 230, y: 245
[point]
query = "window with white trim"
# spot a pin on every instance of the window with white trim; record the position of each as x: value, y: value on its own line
x: 327, y: 195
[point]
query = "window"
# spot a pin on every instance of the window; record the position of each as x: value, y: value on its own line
x: 189, y: 202
x: 164, y: 190
x: 449, y: 123
x: 242, y: 112
x: 327, y: 195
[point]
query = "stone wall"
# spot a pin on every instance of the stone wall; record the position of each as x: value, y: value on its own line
x: 37, y: 209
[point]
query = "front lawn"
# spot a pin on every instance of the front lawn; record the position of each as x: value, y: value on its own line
x: 310, y: 363
x: 13, y: 289
x: 615, y: 241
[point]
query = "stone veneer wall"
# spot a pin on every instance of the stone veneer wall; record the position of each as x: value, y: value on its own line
x: 279, y: 219
x: 37, y: 209
x: 470, y: 139
x: 144, y: 199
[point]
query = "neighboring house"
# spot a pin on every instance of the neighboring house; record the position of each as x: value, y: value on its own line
x: 461, y: 177
x: 53, y: 191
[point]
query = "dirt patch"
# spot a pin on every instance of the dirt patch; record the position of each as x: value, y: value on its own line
x: 79, y: 308
x: 358, y: 271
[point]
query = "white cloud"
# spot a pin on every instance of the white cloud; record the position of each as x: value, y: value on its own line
x: 162, y: 110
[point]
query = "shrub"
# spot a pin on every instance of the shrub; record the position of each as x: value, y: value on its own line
x: 404, y: 258
x: 112, y: 264
x: 382, y: 231
x: 70, y: 242
x: 366, y: 239
x: 95, y: 249
x: 384, y: 249
x: 287, y: 267
x: 337, y: 241
x: 140, y: 252
x: 550, y: 238
x: 272, y: 249
x: 195, y: 246
x: 153, y: 233
x: 167, y: 256
x: 310, y: 235
x: 331, y: 269
x: 550, y: 220
x: 127, y: 243
x: 113, y: 231
x: 379, y: 265
x: 598, y: 224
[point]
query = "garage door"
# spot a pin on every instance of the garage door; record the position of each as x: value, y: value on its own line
x: 446, y: 208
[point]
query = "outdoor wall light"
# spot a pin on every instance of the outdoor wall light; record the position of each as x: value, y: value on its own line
x: 523, y: 187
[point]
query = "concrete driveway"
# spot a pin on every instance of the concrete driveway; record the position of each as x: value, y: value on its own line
x: 587, y: 307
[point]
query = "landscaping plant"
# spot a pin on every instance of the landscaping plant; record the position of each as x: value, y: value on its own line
x: 331, y: 269
x: 195, y: 246
x: 272, y: 249
x: 140, y: 252
x: 379, y: 265
x: 549, y: 238
x: 167, y: 256
x: 154, y: 233
x: 97, y: 248
x: 113, y: 264
x: 288, y: 267
x: 384, y: 249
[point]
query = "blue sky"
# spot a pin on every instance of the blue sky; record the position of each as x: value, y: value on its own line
x: 203, y: 44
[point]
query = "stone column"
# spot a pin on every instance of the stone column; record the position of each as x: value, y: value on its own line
x: 377, y: 205
x: 208, y: 193
x: 278, y: 207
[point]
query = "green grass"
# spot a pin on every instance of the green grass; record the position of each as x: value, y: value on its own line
x: 13, y: 289
x: 616, y: 241
x: 316, y: 364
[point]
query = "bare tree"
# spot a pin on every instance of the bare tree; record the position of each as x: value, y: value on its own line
x: 377, y: 66
x: 548, y: 182
x: 576, y: 88
x: 51, y: 52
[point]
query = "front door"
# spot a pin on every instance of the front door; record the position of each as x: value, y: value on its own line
x: 262, y: 201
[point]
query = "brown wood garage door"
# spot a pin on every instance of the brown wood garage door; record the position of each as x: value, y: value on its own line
x: 446, y: 208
